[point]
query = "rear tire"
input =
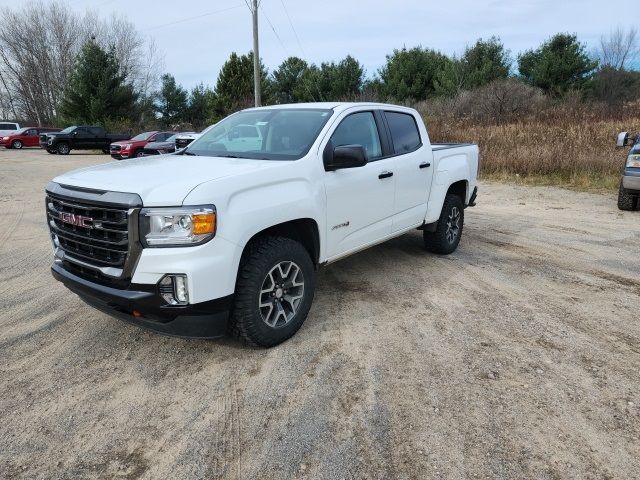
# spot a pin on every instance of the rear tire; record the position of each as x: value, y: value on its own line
x: 626, y: 201
x: 274, y: 291
x: 17, y: 144
x: 445, y: 239
x: 63, y: 148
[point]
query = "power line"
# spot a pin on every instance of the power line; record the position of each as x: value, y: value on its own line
x: 274, y: 31
x: 293, y: 28
x: 192, y: 18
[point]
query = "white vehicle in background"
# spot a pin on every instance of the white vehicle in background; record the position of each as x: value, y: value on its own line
x: 8, y: 128
x: 185, y: 139
x: 219, y: 237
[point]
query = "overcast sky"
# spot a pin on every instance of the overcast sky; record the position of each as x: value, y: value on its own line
x: 197, y: 36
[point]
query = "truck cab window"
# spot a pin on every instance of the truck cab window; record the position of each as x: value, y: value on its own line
x: 359, y: 129
x: 404, y: 132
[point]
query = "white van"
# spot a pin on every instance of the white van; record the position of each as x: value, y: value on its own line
x: 7, y: 128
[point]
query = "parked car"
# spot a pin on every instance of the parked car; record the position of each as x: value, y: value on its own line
x: 629, y: 191
x: 160, y: 148
x: 25, y: 137
x: 79, y: 138
x: 7, y: 128
x: 135, y: 146
x: 185, y: 139
x: 216, y: 237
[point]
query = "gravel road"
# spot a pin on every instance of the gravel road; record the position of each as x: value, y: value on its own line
x: 516, y: 357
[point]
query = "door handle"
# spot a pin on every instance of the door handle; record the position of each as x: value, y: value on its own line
x: 424, y: 165
x: 385, y: 175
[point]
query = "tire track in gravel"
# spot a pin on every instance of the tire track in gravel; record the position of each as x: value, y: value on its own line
x: 7, y: 231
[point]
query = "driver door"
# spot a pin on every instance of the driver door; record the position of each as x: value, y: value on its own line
x: 360, y: 201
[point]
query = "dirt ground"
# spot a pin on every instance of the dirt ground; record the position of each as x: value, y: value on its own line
x: 516, y: 357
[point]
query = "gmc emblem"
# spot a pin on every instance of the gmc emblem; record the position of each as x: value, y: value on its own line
x: 77, y: 220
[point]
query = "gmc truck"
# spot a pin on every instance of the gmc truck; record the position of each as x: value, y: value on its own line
x: 79, y: 138
x: 228, y: 235
x: 629, y: 191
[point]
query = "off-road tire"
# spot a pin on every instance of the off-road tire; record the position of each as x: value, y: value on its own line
x: 626, y: 201
x: 259, y: 258
x: 63, y: 148
x: 440, y: 241
x: 17, y: 144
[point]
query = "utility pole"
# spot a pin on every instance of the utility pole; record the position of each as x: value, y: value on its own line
x: 256, y: 56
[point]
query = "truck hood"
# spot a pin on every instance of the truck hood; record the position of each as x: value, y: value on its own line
x: 163, y: 180
x: 124, y: 142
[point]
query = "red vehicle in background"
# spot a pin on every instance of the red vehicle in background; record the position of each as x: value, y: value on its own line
x: 135, y: 146
x: 25, y: 137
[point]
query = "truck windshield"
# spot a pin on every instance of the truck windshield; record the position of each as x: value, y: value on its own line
x: 142, y: 136
x: 269, y: 134
x: 68, y: 129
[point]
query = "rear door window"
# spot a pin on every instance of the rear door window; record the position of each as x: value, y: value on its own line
x: 404, y: 132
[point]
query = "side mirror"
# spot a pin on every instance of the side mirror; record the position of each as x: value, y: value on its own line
x: 75, y: 134
x: 623, y: 139
x: 344, y: 156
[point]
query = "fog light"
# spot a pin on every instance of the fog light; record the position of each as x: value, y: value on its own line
x: 174, y: 289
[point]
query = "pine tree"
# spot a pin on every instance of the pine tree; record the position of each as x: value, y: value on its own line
x: 171, y: 102
x: 234, y: 88
x: 97, y: 92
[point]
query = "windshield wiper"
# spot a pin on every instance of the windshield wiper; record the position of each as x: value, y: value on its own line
x: 187, y: 152
x: 229, y: 156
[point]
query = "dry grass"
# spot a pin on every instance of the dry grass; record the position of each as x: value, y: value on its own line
x: 570, y: 147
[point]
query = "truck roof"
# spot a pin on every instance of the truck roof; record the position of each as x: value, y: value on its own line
x: 338, y: 106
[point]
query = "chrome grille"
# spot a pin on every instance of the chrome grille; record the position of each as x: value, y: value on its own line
x: 116, y: 148
x: 91, y: 236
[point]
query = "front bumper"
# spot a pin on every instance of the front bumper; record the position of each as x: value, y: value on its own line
x: 119, y: 156
x: 200, y: 320
x: 631, y: 182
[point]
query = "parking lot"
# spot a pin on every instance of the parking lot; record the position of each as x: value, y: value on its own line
x: 516, y: 357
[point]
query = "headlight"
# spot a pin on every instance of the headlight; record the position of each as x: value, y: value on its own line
x: 177, y: 227
x: 5, y: 138
x: 633, y: 160
x: 126, y: 146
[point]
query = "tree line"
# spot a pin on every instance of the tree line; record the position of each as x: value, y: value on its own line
x: 60, y: 68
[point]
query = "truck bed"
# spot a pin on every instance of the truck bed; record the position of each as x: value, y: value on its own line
x: 444, y: 146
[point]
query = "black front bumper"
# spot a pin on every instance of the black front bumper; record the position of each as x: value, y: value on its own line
x: 200, y: 320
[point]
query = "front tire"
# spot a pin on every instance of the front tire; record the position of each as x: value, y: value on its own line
x: 51, y: 151
x: 139, y: 153
x: 626, y: 201
x: 445, y: 239
x: 274, y: 291
x: 17, y: 144
x: 63, y: 148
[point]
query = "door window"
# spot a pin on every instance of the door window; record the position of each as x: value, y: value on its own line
x: 404, y: 132
x: 359, y: 129
x: 31, y: 133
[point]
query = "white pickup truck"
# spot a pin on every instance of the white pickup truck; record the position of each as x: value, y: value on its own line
x: 227, y: 235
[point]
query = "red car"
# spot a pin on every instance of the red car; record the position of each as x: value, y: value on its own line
x: 135, y: 146
x: 25, y: 137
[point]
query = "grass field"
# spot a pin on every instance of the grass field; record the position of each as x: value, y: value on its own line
x: 556, y: 147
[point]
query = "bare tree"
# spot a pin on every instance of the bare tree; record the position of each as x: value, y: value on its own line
x: 620, y: 49
x: 38, y: 47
